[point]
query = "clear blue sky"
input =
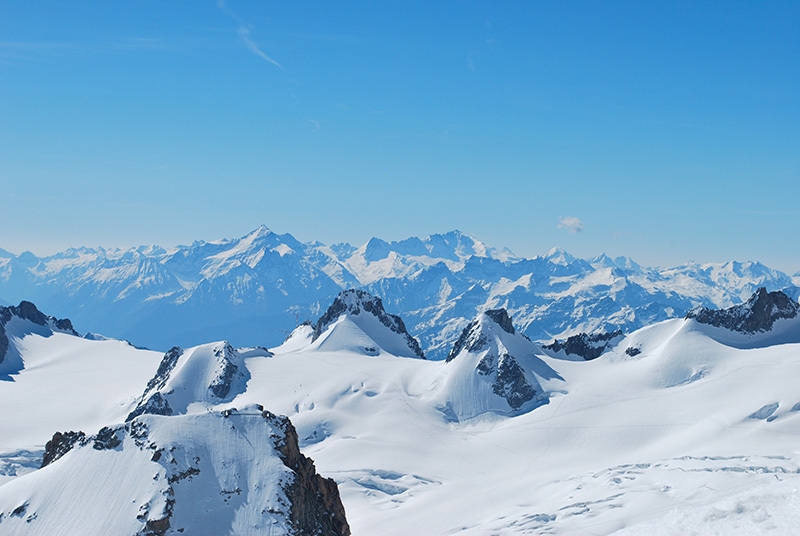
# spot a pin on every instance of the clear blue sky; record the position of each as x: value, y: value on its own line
x: 670, y: 131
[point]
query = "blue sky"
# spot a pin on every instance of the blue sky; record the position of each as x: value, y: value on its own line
x: 666, y: 132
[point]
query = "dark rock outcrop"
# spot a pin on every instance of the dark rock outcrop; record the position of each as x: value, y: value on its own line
x: 221, y: 384
x: 60, y: 444
x: 757, y: 315
x: 355, y: 302
x: 316, y: 507
x: 586, y: 345
x: 500, y: 316
x: 511, y: 383
x: 155, y: 403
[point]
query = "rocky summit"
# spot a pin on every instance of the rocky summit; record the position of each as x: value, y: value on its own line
x: 757, y: 315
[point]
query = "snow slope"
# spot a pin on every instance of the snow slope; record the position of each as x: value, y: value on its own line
x: 208, y: 473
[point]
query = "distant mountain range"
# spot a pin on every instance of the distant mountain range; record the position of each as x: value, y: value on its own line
x: 256, y: 289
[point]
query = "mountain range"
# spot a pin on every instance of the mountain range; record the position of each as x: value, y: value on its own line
x: 256, y: 289
x: 688, y: 425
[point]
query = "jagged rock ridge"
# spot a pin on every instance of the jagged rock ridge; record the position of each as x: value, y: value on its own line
x: 757, y: 315
x: 586, y: 345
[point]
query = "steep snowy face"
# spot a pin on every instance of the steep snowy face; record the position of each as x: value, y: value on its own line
x: 492, y: 368
x: 757, y: 315
x: 15, y: 323
x: 359, y: 309
x: 149, y: 476
x: 205, y: 375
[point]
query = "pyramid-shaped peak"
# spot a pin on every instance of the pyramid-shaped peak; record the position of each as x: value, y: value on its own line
x: 260, y: 231
x: 367, y: 312
x: 475, y: 337
x: 559, y: 256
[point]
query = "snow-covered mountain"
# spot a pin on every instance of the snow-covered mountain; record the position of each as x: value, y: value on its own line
x: 256, y: 289
x: 673, y: 429
x: 234, y: 472
x: 495, y: 369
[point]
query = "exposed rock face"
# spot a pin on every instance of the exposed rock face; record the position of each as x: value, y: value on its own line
x: 316, y: 505
x: 511, y: 383
x: 355, y: 302
x: 500, y: 316
x: 152, y: 401
x: 28, y: 311
x: 588, y: 346
x: 60, y: 444
x: 757, y: 315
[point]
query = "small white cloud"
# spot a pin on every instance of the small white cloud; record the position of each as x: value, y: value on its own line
x: 571, y: 224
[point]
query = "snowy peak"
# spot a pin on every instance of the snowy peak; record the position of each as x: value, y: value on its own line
x: 148, y: 476
x: 366, y: 313
x: 16, y: 322
x: 207, y: 374
x: 757, y: 315
x: 476, y: 336
x: 495, y: 369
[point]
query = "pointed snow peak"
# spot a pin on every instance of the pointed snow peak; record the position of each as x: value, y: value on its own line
x: 478, y: 333
x: 559, y: 256
x: 259, y: 232
x: 387, y: 330
x: 758, y: 314
x: 495, y: 369
x: 376, y: 249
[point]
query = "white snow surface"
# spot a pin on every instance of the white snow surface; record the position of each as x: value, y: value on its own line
x: 222, y: 472
x: 690, y: 436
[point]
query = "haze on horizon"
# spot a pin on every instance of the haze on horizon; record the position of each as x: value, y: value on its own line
x: 665, y: 133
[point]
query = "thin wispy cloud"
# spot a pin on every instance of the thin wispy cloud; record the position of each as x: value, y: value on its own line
x: 244, y: 34
x: 571, y: 224
x: 316, y: 124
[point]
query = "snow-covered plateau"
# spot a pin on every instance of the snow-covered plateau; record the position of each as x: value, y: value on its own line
x: 685, y: 426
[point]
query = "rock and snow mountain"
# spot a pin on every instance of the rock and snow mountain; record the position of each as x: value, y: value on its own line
x: 235, y: 472
x: 205, y: 375
x: 492, y: 368
x: 256, y: 289
x: 15, y: 323
x: 357, y: 321
x: 691, y: 432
